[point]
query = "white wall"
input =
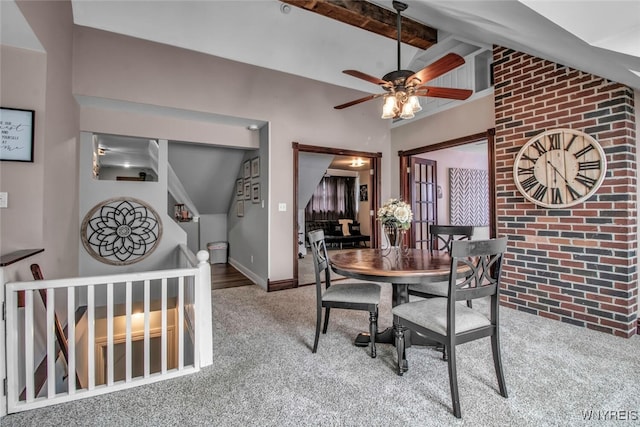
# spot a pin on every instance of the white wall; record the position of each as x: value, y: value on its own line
x: 468, y: 157
x: 297, y: 109
x: 364, y: 217
x: 154, y: 194
x: 213, y: 228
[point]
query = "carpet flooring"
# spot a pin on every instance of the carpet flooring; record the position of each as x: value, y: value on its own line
x: 264, y: 374
x: 306, y: 274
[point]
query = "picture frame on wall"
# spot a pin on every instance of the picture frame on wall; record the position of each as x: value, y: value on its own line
x: 246, y: 169
x: 239, y: 187
x: 255, y: 193
x: 16, y: 139
x: 247, y: 190
x: 240, y: 208
x: 364, y: 193
x: 255, y: 167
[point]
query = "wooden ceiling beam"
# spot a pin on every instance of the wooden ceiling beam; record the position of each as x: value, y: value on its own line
x: 371, y: 17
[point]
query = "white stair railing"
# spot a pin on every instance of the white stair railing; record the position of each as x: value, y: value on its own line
x: 122, y: 330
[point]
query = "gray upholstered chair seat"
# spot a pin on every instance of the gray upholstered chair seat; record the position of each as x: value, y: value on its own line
x: 432, y: 314
x: 363, y: 293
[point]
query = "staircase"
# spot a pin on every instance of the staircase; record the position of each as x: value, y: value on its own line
x: 126, y: 330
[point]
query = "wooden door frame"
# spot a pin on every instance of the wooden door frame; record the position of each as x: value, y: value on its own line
x: 376, y: 185
x: 489, y: 136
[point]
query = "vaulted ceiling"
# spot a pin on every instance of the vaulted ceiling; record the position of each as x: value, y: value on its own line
x: 276, y: 35
x: 598, y: 36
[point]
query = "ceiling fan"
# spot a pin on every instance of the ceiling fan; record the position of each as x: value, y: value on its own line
x: 403, y: 87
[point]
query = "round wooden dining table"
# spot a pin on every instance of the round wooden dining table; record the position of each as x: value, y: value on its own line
x: 398, y: 267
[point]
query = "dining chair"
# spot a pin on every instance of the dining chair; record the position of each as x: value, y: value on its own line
x: 353, y: 296
x: 450, y: 323
x: 440, y: 239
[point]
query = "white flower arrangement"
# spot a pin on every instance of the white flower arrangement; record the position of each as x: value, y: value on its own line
x: 395, y: 213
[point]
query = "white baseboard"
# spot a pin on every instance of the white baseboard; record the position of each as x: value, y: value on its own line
x: 250, y: 274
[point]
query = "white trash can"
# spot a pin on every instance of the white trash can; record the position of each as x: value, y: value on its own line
x: 217, y: 252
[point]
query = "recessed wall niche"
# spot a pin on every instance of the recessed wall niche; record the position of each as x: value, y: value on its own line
x: 124, y: 158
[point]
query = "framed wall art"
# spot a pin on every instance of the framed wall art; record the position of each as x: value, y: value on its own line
x: 240, y: 208
x: 239, y: 187
x: 16, y: 134
x: 255, y: 167
x: 246, y: 168
x: 247, y: 190
x: 255, y: 193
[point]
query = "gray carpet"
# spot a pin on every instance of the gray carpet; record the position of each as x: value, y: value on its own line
x: 306, y: 274
x: 264, y: 374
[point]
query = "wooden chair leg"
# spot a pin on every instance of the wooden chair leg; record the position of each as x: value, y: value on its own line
x: 327, y: 310
x: 373, y: 328
x: 399, y: 332
x: 453, y: 381
x: 318, y: 321
x: 497, y: 362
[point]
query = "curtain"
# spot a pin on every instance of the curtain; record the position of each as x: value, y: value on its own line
x: 333, y: 199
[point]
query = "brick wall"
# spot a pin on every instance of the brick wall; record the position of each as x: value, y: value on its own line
x: 576, y: 265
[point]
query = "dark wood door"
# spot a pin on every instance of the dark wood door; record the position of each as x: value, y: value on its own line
x: 423, y: 185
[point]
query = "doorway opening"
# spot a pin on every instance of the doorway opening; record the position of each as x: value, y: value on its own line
x: 321, y: 166
x: 442, y: 201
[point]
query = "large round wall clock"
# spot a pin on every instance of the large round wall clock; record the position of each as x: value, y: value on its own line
x: 559, y: 168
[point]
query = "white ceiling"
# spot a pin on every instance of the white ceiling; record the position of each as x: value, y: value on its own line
x: 307, y: 44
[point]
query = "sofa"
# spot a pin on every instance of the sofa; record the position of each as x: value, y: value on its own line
x: 334, y: 234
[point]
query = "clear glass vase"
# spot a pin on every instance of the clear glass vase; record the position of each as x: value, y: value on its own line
x: 394, y: 236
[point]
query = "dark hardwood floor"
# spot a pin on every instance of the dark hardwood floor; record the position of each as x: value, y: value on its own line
x: 226, y: 276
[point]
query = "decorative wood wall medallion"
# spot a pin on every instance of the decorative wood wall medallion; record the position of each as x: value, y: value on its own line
x: 121, y: 231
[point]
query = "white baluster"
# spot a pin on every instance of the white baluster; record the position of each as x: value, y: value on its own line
x: 91, y: 337
x: 128, y: 332
x: 51, y: 344
x: 28, y: 345
x: 71, y: 341
x: 110, y: 362
x: 147, y: 314
x: 163, y: 339
x: 180, y: 325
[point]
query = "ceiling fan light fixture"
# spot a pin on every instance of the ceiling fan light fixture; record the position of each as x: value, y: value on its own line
x: 415, y: 103
x: 407, y: 111
x: 389, y: 109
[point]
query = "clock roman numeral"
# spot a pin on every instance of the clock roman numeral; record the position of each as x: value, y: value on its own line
x: 525, y: 157
x: 556, y: 196
x: 585, y: 180
x: 574, y: 194
x: 570, y: 143
x: 584, y: 151
x: 554, y: 141
x: 540, y: 192
x: 529, y: 183
x: 583, y: 166
x: 539, y: 147
x: 525, y: 171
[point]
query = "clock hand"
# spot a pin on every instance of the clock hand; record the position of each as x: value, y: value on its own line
x: 557, y: 171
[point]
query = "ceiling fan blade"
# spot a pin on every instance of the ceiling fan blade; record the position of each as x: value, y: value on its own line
x: 443, y: 92
x: 358, y: 101
x: 367, y: 77
x: 438, y: 68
